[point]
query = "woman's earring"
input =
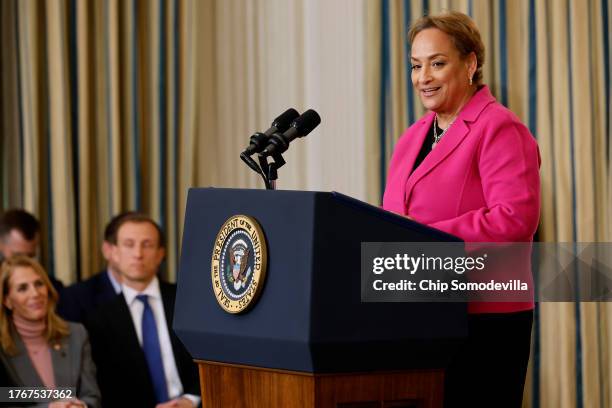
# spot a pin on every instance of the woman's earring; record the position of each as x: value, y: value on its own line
x: 470, y: 80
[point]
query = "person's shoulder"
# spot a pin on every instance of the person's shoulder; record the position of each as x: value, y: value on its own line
x: 88, y: 285
x: 501, y: 127
x: 167, y: 290
x: 76, y: 333
x: 94, y: 281
x: 76, y: 328
x: 483, y: 111
x: 497, y: 122
x: 498, y: 114
x: 167, y: 285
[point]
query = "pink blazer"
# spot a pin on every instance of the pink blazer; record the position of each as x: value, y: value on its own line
x: 480, y: 183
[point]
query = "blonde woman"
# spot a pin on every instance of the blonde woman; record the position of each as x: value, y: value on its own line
x: 37, y: 347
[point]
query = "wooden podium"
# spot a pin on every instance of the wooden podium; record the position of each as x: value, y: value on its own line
x: 264, y: 388
x: 309, y: 341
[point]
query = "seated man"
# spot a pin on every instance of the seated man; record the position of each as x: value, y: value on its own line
x: 19, y: 235
x: 141, y: 362
x: 82, y: 298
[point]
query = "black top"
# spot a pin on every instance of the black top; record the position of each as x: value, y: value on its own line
x: 426, y: 148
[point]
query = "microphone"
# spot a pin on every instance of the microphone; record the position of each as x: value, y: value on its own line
x: 300, y: 127
x: 259, y: 140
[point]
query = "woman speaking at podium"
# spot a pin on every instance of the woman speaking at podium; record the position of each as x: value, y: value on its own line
x: 470, y: 168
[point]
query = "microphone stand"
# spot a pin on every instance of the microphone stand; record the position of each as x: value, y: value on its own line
x: 271, y: 169
x: 251, y: 163
x: 265, y: 170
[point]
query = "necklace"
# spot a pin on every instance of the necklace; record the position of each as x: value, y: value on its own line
x: 436, y: 136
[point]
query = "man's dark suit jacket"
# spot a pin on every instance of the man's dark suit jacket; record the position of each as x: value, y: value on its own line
x: 123, y: 375
x: 79, y: 300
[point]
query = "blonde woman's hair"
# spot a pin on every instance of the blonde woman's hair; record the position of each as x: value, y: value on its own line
x: 56, y: 328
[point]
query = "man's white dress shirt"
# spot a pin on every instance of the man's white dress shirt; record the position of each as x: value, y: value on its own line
x: 173, y: 380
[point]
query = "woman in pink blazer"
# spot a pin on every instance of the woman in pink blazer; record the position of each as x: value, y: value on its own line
x: 469, y: 167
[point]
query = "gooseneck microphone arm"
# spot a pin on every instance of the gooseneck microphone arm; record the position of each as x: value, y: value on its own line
x: 256, y: 168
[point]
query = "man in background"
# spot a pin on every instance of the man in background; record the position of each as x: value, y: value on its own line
x: 20, y: 235
x: 140, y: 360
x: 82, y: 298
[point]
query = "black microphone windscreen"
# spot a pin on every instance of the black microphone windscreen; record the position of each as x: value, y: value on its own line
x: 284, y: 120
x: 307, y: 122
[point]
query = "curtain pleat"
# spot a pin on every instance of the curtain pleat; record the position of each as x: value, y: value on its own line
x: 203, y: 122
x: 111, y: 70
x: 10, y: 125
x: 31, y: 100
x: 102, y: 141
x: 60, y: 134
x: 186, y: 108
x: 87, y: 177
x: 170, y: 195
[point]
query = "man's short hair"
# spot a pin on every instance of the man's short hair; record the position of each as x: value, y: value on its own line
x: 20, y: 220
x: 137, y: 218
x: 110, y: 232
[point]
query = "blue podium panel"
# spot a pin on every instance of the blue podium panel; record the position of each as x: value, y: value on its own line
x: 310, y: 316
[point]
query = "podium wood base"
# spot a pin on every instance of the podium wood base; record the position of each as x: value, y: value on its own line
x: 229, y: 386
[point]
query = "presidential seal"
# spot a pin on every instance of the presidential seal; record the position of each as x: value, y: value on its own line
x: 239, y: 263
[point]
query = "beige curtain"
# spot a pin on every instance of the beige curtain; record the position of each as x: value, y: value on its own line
x: 274, y: 54
x: 112, y: 105
x: 96, y: 102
